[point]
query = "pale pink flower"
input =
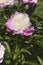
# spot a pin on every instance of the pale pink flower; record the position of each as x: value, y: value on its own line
x: 29, y: 1
x: 19, y: 23
x: 4, y: 3
x: 2, y: 51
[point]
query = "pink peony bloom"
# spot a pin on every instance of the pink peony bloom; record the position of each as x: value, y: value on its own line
x: 2, y: 49
x: 19, y: 23
x: 4, y: 3
x: 29, y: 1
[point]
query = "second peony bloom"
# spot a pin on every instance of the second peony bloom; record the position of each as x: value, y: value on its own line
x: 20, y: 23
x: 29, y: 1
x: 4, y: 3
x: 2, y: 52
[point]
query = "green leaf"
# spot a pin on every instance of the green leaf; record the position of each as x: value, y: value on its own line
x: 7, y: 62
x: 7, y: 47
x: 40, y: 60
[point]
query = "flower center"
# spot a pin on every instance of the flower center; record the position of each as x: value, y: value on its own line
x: 20, y: 22
x: 3, y: 1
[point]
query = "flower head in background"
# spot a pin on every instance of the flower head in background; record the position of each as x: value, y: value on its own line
x: 19, y: 23
x: 29, y: 1
x: 2, y: 51
x: 4, y: 3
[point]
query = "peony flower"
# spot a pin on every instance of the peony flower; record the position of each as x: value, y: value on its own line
x: 19, y: 23
x: 4, y: 3
x: 2, y: 49
x: 29, y: 1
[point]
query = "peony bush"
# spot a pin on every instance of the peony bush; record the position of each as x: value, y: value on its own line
x: 21, y: 32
